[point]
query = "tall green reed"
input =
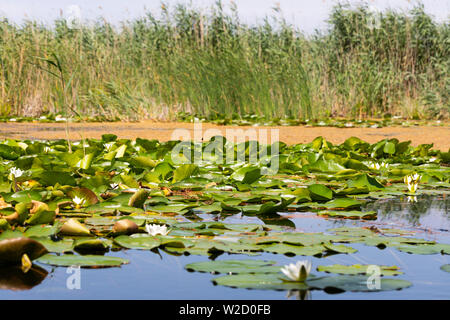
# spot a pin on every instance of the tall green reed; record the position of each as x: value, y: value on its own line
x: 210, y: 64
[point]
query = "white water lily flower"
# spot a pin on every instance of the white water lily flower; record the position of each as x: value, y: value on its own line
x: 432, y: 159
x: 16, y: 172
x: 78, y: 201
x: 378, y: 166
x: 297, y: 272
x: 154, y: 229
x: 108, y: 146
x: 412, y: 187
x: 412, y: 181
x: 374, y: 165
x: 60, y: 118
x: 416, y: 177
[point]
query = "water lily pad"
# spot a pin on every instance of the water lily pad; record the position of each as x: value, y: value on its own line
x: 365, y: 215
x: 138, y: 198
x: 341, y: 283
x: 343, y: 203
x: 339, y: 248
x: 86, y: 194
x: 234, y: 266
x: 73, y: 227
x: 359, y: 269
x: 320, y: 192
x: 86, y: 261
x: 138, y: 241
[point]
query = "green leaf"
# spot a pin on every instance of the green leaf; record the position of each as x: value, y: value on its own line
x: 320, y: 192
x: 234, y: 266
x: 365, y: 215
x: 138, y: 241
x: 342, y: 283
x: 85, y: 261
x: 343, y: 203
x: 184, y: 172
x: 359, y: 269
x: 247, y: 175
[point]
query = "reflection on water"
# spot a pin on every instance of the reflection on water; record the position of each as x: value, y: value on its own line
x: 424, y: 211
x: 158, y: 275
x: 13, y: 278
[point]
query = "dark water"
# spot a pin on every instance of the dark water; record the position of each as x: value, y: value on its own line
x: 162, y: 276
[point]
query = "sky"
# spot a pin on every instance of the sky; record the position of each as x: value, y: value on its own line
x: 308, y: 15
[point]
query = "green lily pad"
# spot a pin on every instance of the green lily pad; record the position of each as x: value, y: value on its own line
x: 319, y: 192
x: 234, y: 266
x: 358, y: 269
x: 341, y: 283
x: 365, y: 215
x: 138, y: 241
x: 86, y: 261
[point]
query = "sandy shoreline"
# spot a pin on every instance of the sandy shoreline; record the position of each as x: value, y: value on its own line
x: 165, y: 131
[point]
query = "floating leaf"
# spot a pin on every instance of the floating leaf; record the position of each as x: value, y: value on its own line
x: 86, y: 261
x: 138, y: 241
x: 73, y: 227
x: 366, y: 215
x: 138, y: 198
x: 234, y: 266
x: 330, y: 284
x: 320, y: 192
x: 359, y: 269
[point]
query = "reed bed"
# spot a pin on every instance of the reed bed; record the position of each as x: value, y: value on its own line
x: 210, y: 64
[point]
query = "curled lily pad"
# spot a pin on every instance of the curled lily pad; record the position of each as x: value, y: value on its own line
x: 4, y: 224
x: 12, y: 250
x: 86, y: 245
x: 125, y: 226
x: 73, y: 227
x: 41, y: 217
x: 86, y: 261
x: 319, y: 192
x: 138, y: 198
x: 87, y: 195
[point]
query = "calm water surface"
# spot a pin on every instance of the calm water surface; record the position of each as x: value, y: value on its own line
x: 162, y: 276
